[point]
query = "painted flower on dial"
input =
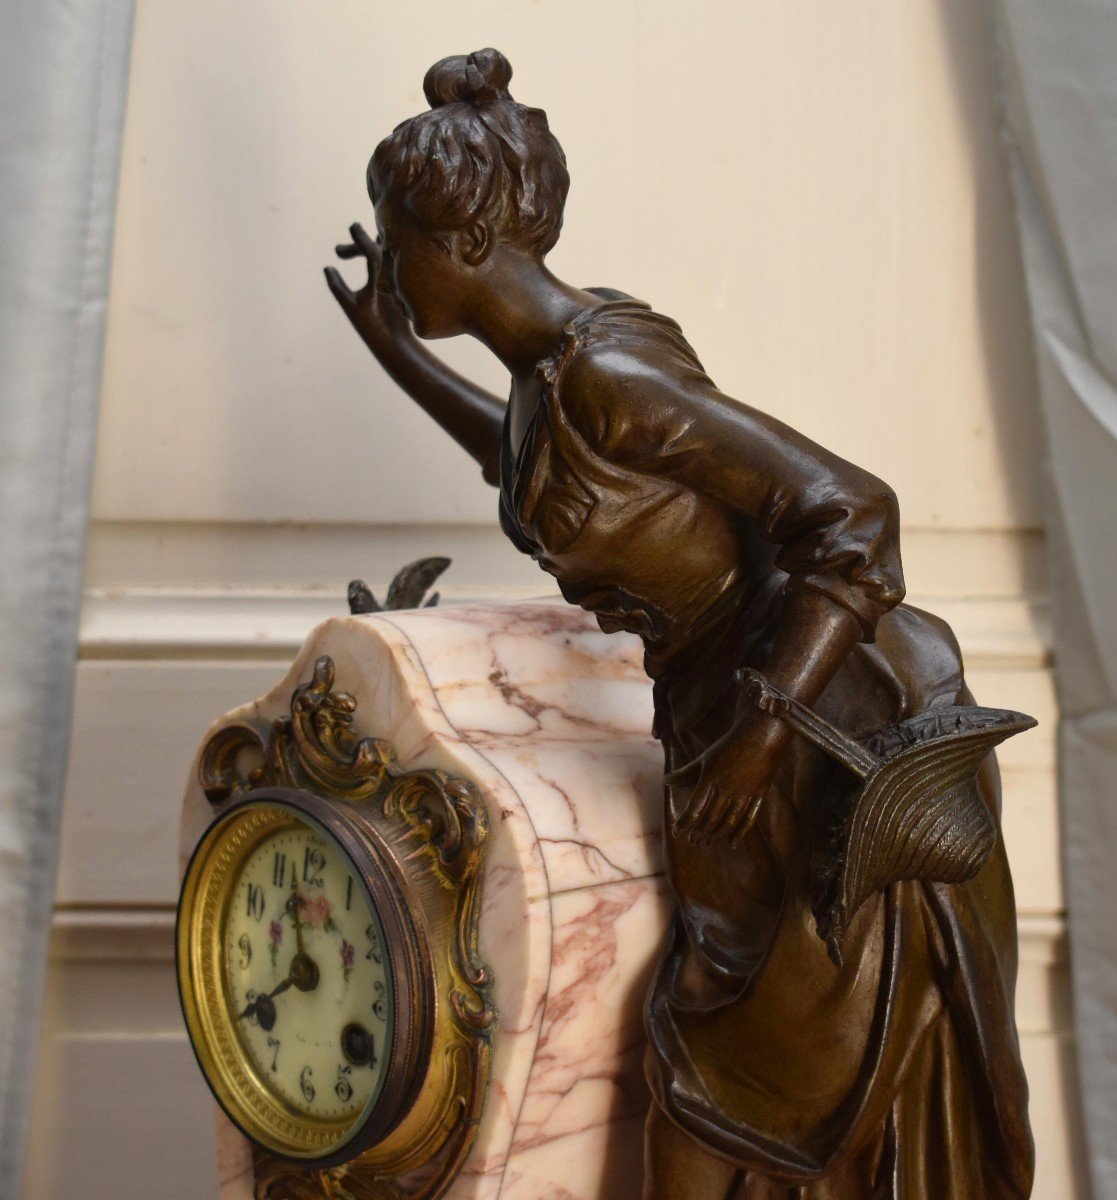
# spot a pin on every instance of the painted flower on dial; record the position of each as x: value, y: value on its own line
x: 346, y: 958
x: 275, y: 936
x: 315, y: 911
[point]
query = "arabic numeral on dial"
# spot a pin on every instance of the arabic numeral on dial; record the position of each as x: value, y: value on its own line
x: 314, y: 862
x: 305, y: 1085
x: 380, y: 1004
x: 279, y: 869
x: 343, y: 1087
x: 374, y: 944
x: 273, y: 1045
x: 251, y: 996
x: 244, y: 945
x: 256, y: 901
x: 348, y: 892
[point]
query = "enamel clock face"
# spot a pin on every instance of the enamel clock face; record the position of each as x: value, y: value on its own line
x: 301, y: 975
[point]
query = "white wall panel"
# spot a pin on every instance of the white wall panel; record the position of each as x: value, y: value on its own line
x: 137, y: 727
x: 121, y: 1111
x: 814, y: 191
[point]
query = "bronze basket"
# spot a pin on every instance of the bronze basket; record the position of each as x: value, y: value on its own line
x: 918, y: 813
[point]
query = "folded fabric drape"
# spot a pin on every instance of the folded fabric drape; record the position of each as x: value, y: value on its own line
x: 63, y: 79
x: 1059, y: 86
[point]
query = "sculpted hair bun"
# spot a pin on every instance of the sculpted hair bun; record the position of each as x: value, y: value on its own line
x: 479, y: 78
x: 475, y: 155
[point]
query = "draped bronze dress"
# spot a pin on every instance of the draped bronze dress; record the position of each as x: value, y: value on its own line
x: 676, y: 513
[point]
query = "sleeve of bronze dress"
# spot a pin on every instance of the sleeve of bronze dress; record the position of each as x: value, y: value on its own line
x: 837, y: 526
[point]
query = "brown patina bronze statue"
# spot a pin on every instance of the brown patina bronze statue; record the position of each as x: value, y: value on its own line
x: 833, y: 1018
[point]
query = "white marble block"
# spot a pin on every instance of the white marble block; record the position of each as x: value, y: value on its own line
x: 551, y: 720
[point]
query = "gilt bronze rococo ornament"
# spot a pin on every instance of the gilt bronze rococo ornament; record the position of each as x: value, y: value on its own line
x: 328, y: 960
x: 833, y: 1016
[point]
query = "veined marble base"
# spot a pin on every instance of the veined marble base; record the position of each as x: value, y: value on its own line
x: 551, y: 719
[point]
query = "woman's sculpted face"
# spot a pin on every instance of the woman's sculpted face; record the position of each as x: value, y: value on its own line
x: 427, y: 275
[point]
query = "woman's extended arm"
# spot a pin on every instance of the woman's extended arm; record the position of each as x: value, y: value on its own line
x: 473, y: 417
x: 814, y: 636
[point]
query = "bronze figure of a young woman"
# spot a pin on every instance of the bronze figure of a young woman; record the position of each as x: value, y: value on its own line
x: 728, y: 542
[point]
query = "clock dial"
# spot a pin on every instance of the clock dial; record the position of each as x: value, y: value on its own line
x: 304, y: 975
x: 307, y: 982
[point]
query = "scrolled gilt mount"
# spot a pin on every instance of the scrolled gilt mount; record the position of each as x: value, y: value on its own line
x: 328, y: 955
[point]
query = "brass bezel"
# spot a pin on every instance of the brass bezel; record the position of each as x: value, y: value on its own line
x: 207, y: 893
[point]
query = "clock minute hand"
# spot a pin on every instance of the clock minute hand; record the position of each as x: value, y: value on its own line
x: 293, y: 906
x: 263, y: 1007
x: 304, y: 970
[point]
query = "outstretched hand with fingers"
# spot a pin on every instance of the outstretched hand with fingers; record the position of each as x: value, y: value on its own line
x: 371, y: 309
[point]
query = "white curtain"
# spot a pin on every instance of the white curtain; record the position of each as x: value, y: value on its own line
x: 63, y: 78
x: 1059, y: 76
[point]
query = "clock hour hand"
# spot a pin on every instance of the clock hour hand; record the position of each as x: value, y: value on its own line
x: 263, y: 1007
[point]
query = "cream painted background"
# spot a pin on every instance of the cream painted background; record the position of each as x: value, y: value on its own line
x: 812, y: 189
